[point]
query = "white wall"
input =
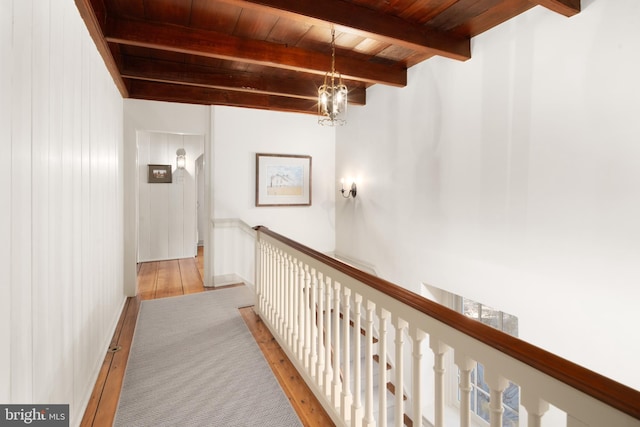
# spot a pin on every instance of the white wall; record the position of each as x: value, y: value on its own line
x: 167, y: 211
x: 140, y: 115
x: 513, y: 179
x: 238, y: 134
x: 60, y: 206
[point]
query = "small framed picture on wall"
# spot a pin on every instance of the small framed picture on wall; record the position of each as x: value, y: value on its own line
x: 159, y: 174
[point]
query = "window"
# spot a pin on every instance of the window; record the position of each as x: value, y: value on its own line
x: 480, y: 390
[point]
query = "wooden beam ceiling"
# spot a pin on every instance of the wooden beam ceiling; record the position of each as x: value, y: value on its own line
x: 273, y: 54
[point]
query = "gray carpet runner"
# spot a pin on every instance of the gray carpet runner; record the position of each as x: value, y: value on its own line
x: 193, y: 362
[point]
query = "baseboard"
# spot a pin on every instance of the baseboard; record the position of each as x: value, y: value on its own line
x: 226, y: 280
x: 77, y: 416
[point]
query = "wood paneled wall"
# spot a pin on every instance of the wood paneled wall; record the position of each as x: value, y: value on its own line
x: 60, y: 205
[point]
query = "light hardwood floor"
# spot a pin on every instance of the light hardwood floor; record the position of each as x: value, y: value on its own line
x: 180, y: 277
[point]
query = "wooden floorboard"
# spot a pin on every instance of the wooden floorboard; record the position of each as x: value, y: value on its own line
x: 179, y: 277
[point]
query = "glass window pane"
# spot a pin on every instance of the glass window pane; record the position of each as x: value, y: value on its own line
x: 473, y: 399
x: 489, y: 316
x: 510, y: 418
x: 470, y: 308
x: 481, y: 382
x: 511, y: 397
x: 483, y: 406
x: 510, y: 324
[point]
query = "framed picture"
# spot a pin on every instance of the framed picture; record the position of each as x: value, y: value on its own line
x: 283, y: 180
x: 159, y: 174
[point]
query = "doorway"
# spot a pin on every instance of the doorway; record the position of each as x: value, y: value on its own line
x: 168, y: 218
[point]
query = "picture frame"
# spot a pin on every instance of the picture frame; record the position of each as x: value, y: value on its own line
x: 283, y: 180
x: 159, y: 174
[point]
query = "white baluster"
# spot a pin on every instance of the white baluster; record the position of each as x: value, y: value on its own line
x: 417, y: 336
x: 272, y: 285
x: 356, y: 407
x: 325, y: 323
x: 329, y: 345
x: 383, y: 316
x: 296, y: 308
x: 313, y: 316
x: 497, y: 385
x: 307, y: 317
x: 439, y: 349
x: 286, y: 308
x: 465, y: 365
x: 268, y: 284
x: 368, y: 357
x: 279, y: 292
x: 535, y: 406
x: 291, y: 302
x: 399, y: 371
x: 337, y: 385
x: 345, y: 410
x: 321, y: 332
x: 301, y: 312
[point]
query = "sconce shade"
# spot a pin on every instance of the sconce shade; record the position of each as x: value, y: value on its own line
x: 181, y: 159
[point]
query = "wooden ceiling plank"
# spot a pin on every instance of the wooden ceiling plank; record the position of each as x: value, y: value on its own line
x: 567, y: 8
x: 368, y: 23
x: 216, y: 45
x: 494, y: 16
x: 178, y: 93
x: 172, y: 72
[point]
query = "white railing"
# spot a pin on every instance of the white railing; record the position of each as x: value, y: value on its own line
x: 312, y: 304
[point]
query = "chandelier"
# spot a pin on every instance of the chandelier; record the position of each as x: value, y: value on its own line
x: 332, y: 95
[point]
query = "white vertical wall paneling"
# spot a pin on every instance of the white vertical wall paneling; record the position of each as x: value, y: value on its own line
x: 71, y: 48
x: 20, y: 240
x: 6, y: 29
x: 61, y: 207
x: 88, y: 314
x: 41, y: 113
x: 144, y: 237
x: 194, y: 146
x: 158, y: 194
x: 57, y: 210
x: 75, y: 60
x: 175, y: 202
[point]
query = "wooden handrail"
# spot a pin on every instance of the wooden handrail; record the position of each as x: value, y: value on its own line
x: 608, y: 391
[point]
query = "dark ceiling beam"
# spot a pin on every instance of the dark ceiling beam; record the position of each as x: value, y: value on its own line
x: 188, y: 74
x: 368, y: 23
x: 93, y: 15
x: 567, y: 8
x: 155, y: 91
x: 216, y: 45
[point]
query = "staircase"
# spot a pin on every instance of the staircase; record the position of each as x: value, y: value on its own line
x: 387, y: 374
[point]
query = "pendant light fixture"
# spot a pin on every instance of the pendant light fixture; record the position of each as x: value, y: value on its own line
x: 332, y: 95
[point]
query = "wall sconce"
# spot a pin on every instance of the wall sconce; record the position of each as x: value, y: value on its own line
x: 181, y: 159
x: 349, y: 193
